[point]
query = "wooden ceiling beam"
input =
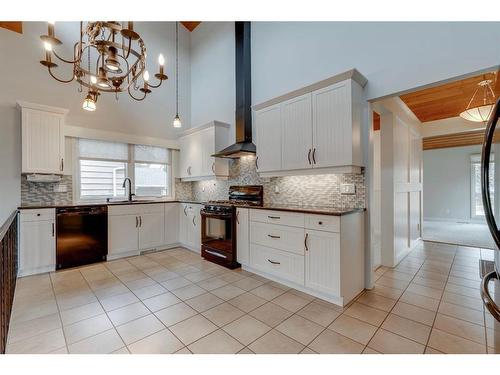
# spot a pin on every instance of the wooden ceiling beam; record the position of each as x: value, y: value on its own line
x: 475, y: 137
x: 16, y: 26
x: 190, y: 25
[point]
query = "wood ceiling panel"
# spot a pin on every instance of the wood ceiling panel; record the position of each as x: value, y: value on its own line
x: 190, y: 25
x: 475, y: 137
x: 376, y: 121
x: 448, y: 100
x: 16, y: 26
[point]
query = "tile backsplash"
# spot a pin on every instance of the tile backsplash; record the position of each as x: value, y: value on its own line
x: 321, y: 190
x: 42, y: 193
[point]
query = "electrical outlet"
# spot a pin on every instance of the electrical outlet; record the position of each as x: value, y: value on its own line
x: 348, y: 189
x: 60, y: 188
x: 277, y: 189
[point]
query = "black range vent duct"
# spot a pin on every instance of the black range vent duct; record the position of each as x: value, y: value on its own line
x: 243, y: 145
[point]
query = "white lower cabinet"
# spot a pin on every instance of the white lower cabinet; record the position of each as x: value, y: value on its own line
x: 37, y: 241
x: 242, y: 233
x: 190, y: 226
x: 171, y: 223
x: 322, y: 261
x: 135, y: 227
x: 319, y: 254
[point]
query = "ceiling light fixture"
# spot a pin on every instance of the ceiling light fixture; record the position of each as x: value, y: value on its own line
x: 118, y: 64
x: 482, y: 112
x: 177, y: 120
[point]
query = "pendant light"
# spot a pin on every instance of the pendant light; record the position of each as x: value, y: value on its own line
x: 177, y: 120
x: 480, y: 113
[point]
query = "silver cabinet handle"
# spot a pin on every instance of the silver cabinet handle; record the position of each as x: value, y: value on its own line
x: 194, y: 223
x: 305, y: 242
x: 256, y: 163
x: 140, y: 221
x: 62, y: 164
x: 309, y: 156
x: 213, y: 167
x: 189, y: 170
x: 273, y: 262
x: 492, y: 307
x: 314, y: 155
x: 274, y: 217
x: 136, y: 221
x: 185, y: 208
x: 272, y: 236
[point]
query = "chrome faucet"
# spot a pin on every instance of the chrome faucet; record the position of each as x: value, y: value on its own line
x: 130, y: 195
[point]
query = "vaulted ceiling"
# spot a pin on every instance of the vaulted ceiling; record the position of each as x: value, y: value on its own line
x: 448, y: 100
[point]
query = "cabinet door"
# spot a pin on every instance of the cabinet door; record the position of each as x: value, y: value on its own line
x: 184, y: 157
x: 171, y: 223
x: 332, y: 126
x: 37, y: 247
x: 151, y: 227
x: 268, y: 129
x: 242, y: 238
x: 323, y: 262
x: 208, y: 149
x: 42, y: 142
x: 296, y: 133
x: 123, y: 234
x: 183, y: 223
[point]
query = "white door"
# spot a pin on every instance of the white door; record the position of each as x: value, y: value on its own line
x: 194, y: 232
x: 183, y: 223
x: 323, y: 261
x: 37, y: 247
x: 268, y: 129
x: 332, y: 126
x: 151, y: 227
x: 42, y: 142
x: 242, y: 236
x: 123, y: 234
x: 296, y: 133
x: 171, y: 223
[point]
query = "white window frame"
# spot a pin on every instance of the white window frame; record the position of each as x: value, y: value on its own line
x: 475, y: 159
x: 130, y: 173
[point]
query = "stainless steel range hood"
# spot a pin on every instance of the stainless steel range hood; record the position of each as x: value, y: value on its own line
x: 243, y: 145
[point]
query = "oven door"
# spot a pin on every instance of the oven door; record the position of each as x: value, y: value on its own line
x: 217, y: 236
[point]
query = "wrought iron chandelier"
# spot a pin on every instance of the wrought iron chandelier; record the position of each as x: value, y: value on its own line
x: 107, y: 58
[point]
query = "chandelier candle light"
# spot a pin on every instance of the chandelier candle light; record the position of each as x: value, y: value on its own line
x: 118, y: 64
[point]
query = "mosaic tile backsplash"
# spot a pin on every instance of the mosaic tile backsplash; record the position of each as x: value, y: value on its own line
x: 320, y: 190
x: 42, y: 193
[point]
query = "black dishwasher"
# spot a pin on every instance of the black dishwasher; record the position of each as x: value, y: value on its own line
x: 82, y: 235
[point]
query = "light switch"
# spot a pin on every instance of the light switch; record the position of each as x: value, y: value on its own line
x: 348, y: 189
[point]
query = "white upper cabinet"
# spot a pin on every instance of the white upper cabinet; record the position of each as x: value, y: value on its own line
x: 268, y: 129
x: 42, y: 138
x: 197, y: 147
x: 316, y: 129
x: 296, y: 133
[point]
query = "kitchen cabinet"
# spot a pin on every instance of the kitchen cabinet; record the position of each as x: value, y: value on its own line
x: 242, y: 235
x: 37, y: 242
x: 171, y: 223
x: 322, y: 255
x: 42, y: 138
x: 322, y: 261
x: 268, y: 133
x: 316, y: 129
x: 190, y: 226
x: 134, y: 228
x: 197, y: 146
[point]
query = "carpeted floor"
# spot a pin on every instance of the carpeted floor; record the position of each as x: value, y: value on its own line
x: 466, y: 234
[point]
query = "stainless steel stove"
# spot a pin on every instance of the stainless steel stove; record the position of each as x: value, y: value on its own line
x: 218, y: 224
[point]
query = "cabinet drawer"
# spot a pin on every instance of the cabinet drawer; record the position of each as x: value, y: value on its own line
x: 135, y: 209
x: 290, y: 239
x: 323, y: 222
x: 43, y: 214
x: 277, y: 217
x: 282, y: 264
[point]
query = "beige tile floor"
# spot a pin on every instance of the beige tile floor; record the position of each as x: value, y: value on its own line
x: 175, y: 302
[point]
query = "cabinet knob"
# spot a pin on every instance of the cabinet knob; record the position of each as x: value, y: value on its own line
x: 320, y: 222
x: 37, y: 214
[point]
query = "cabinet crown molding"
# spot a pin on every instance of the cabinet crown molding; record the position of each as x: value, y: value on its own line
x: 353, y: 74
x: 42, y: 107
x: 205, y: 126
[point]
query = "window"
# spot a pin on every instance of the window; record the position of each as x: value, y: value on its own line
x: 477, y: 210
x: 101, y: 168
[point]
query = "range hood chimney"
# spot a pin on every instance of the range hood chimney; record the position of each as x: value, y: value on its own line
x: 243, y: 145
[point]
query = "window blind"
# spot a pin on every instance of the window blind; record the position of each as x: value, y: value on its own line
x: 151, y: 154
x: 92, y: 149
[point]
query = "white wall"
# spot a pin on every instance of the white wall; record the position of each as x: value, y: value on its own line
x: 24, y: 78
x: 10, y: 161
x: 447, y: 183
x: 213, y: 73
x: 393, y: 56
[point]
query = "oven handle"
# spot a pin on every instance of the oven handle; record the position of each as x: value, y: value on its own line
x: 216, y: 254
x: 216, y: 216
